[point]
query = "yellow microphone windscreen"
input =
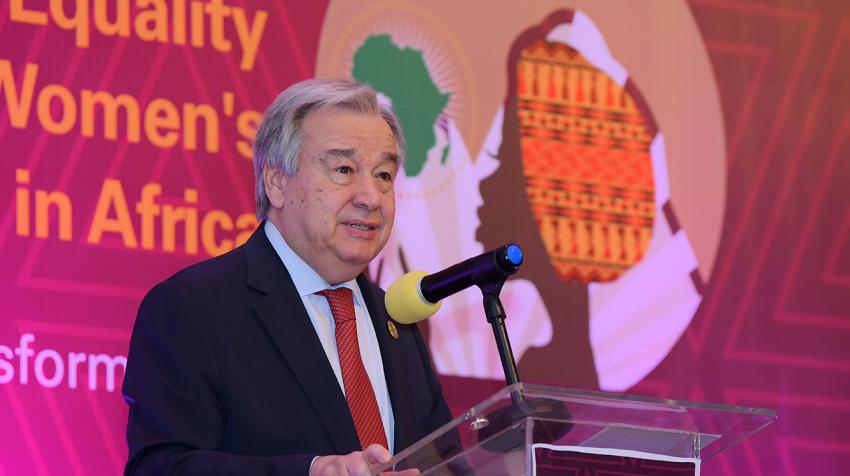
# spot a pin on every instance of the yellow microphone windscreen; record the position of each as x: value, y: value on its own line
x: 404, y: 301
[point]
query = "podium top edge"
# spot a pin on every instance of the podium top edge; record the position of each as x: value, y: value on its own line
x: 602, y: 397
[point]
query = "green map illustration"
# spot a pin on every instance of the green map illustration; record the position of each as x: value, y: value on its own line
x: 401, y: 75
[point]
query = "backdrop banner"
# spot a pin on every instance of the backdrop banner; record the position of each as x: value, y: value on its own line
x: 675, y: 171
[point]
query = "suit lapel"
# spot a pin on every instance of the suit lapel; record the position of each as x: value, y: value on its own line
x: 396, y: 383
x: 283, y: 315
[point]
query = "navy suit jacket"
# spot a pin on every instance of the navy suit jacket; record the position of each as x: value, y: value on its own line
x: 226, y: 375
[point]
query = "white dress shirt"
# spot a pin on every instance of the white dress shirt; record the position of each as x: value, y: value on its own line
x: 307, y: 281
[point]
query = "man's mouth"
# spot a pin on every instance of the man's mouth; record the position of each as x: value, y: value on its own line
x: 360, y: 226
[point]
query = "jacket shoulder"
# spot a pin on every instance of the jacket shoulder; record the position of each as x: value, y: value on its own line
x: 211, y: 273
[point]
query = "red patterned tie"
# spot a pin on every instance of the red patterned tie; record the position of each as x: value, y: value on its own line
x: 358, y: 387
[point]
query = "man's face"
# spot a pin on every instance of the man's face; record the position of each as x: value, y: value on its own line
x: 337, y: 211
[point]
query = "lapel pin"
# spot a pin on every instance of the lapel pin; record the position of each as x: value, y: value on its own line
x: 392, y: 329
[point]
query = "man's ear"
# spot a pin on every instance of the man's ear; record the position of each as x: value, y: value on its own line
x: 274, y: 181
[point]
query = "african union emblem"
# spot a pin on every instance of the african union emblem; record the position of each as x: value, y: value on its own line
x: 537, y: 133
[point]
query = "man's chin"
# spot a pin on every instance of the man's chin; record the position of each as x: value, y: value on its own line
x: 357, y: 261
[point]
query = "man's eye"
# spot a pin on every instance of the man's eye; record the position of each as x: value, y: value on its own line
x: 386, y: 176
x: 344, y: 169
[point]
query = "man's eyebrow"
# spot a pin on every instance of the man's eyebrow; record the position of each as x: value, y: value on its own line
x: 349, y: 153
x: 340, y: 153
x: 391, y: 156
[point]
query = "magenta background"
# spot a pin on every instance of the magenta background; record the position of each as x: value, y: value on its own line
x: 773, y: 329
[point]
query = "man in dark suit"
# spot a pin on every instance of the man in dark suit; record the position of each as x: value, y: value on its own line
x: 279, y: 357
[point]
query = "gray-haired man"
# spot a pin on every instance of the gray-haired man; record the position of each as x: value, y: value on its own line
x: 279, y: 357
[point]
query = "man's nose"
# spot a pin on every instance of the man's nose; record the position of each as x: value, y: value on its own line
x: 367, y: 195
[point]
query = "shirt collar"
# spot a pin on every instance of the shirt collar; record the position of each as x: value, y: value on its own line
x: 307, y: 281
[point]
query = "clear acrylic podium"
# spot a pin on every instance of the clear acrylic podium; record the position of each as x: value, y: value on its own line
x: 519, y: 427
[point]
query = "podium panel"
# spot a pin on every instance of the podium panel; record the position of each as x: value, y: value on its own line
x: 552, y: 460
x: 527, y: 429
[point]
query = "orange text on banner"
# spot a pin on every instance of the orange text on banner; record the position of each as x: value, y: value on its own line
x: 162, y: 120
x: 153, y: 20
x: 113, y: 215
x: 153, y: 223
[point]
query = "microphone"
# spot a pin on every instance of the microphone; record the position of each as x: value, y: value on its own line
x: 417, y: 295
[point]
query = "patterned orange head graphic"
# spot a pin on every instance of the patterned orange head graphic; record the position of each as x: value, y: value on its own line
x: 585, y: 146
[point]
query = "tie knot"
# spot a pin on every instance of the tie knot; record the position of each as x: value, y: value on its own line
x: 341, y: 302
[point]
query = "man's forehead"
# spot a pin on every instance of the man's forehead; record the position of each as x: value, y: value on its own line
x: 332, y: 118
x: 338, y: 132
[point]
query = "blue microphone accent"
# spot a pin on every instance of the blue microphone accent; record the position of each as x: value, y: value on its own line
x: 514, y: 254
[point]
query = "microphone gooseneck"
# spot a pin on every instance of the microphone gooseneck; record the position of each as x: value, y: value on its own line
x: 494, y: 265
x: 417, y: 295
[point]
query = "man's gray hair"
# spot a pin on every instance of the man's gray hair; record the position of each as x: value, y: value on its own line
x: 280, y: 135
